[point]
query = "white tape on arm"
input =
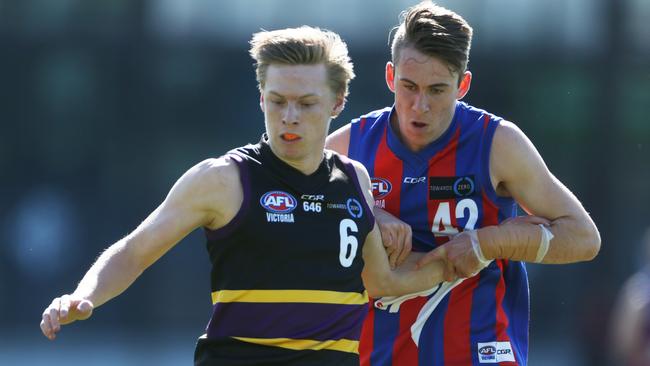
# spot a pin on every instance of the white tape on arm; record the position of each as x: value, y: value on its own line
x: 477, y: 248
x: 547, y: 236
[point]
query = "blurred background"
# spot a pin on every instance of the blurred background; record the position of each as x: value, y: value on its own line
x: 104, y: 104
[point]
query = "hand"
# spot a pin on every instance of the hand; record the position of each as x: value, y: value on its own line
x: 458, y: 256
x: 64, y: 310
x: 396, y: 236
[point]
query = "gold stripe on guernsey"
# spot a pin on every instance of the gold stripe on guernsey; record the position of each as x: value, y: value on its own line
x: 284, y: 296
x: 342, y: 345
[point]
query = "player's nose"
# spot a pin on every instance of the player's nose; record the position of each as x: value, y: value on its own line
x: 290, y: 114
x: 420, y: 104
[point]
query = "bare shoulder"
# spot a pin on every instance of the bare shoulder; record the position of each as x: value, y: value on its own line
x: 212, y: 185
x: 513, y: 155
x: 215, y: 174
x: 339, y: 140
x: 509, y: 136
x: 221, y: 171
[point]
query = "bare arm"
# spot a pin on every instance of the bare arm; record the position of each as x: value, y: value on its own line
x: 209, y: 195
x: 192, y: 202
x: 378, y: 277
x: 381, y: 280
x: 519, y: 171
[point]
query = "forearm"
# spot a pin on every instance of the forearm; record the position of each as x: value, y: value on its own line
x: 406, y: 279
x: 113, y: 272
x: 573, y: 241
x: 410, y: 280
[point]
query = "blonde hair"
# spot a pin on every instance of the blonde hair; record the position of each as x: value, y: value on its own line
x: 303, y: 46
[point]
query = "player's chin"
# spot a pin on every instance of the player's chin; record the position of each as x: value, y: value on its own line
x: 293, y: 149
x: 419, y: 136
x: 292, y: 152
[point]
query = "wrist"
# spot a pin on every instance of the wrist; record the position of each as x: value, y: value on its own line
x: 487, y: 243
x: 516, y: 241
x: 476, y: 246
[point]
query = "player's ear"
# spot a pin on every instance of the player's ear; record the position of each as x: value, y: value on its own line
x: 262, y: 102
x: 338, y: 106
x: 390, y: 76
x: 465, y: 82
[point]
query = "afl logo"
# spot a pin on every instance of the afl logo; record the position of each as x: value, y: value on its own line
x: 380, y: 187
x: 487, y: 350
x: 278, y: 202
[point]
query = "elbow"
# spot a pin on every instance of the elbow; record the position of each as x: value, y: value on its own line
x: 593, y: 245
x: 374, y: 292
x: 379, y: 286
x: 590, y: 239
x: 377, y: 291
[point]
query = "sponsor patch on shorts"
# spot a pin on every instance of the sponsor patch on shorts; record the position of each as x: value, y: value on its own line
x: 495, y: 352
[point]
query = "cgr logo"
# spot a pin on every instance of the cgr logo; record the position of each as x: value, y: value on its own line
x: 312, y: 197
x: 380, y: 187
x: 412, y: 180
x: 278, y: 202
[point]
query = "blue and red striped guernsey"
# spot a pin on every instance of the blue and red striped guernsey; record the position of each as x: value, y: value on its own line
x: 440, y: 191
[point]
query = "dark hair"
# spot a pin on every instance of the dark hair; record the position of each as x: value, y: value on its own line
x: 434, y: 31
x: 303, y: 46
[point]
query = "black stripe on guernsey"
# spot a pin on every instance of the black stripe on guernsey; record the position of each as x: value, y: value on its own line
x: 292, y: 319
